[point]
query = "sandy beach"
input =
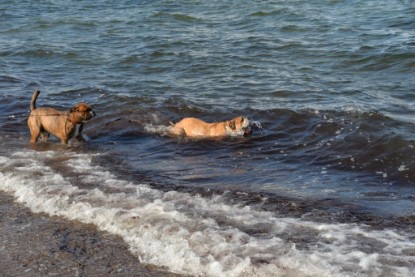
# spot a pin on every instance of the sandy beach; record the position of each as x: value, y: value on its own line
x: 40, y: 245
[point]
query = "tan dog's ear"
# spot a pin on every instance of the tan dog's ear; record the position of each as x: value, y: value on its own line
x: 232, y: 125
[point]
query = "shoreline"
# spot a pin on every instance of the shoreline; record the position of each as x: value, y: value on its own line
x: 42, y: 245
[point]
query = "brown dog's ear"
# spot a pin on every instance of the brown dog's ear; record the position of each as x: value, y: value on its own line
x: 232, y: 124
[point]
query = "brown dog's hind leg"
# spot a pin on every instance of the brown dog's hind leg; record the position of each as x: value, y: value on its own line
x: 64, y: 140
x: 44, y: 135
x: 34, y: 134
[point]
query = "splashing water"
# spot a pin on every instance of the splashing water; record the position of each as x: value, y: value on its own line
x: 258, y: 125
x: 161, y: 130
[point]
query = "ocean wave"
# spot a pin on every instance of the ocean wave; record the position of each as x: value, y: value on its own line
x: 178, y: 17
x: 9, y: 79
x: 352, y: 140
x: 270, y: 13
x: 204, y: 235
x: 46, y: 53
x: 349, y: 140
x: 401, y: 61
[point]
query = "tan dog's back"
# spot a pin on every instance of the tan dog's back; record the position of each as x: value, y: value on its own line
x: 194, y: 127
x: 191, y: 127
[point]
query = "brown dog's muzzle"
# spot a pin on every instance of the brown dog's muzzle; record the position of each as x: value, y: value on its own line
x: 92, y: 114
x: 84, y: 116
x: 89, y: 113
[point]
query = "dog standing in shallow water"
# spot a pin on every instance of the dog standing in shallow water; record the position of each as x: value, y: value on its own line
x: 62, y: 124
x: 197, y: 128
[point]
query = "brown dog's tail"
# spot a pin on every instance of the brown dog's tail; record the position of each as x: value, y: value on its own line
x: 33, y: 102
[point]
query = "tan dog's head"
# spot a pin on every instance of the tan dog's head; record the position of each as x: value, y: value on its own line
x: 81, y: 112
x: 239, y: 126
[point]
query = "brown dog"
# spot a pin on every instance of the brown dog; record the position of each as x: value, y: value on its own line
x: 196, y: 128
x: 62, y: 124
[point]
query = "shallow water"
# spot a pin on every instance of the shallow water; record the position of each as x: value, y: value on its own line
x: 325, y: 185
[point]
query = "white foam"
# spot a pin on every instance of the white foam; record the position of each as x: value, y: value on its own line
x: 258, y: 125
x: 190, y: 234
x: 157, y: 129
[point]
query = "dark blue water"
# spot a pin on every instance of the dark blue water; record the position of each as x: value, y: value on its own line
x: 330, y: 85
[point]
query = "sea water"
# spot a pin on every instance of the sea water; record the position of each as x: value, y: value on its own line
x: 323, y: 187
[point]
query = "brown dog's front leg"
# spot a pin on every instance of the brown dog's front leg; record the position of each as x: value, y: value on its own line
x: 79, y: 137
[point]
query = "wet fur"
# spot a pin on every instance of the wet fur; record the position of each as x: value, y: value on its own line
x: 62, y: 124
x: 197, y: 128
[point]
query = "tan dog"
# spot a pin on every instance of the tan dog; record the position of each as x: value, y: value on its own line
x: 196, y: 128
x: 62, y: 124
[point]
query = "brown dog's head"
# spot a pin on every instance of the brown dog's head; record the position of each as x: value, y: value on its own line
x: 81, y: 112
x: 239, y: 126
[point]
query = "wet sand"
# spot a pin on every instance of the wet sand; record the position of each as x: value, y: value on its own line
x: 40, y: 245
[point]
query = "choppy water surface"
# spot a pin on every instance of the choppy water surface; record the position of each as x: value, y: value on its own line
x: 325, y: 186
